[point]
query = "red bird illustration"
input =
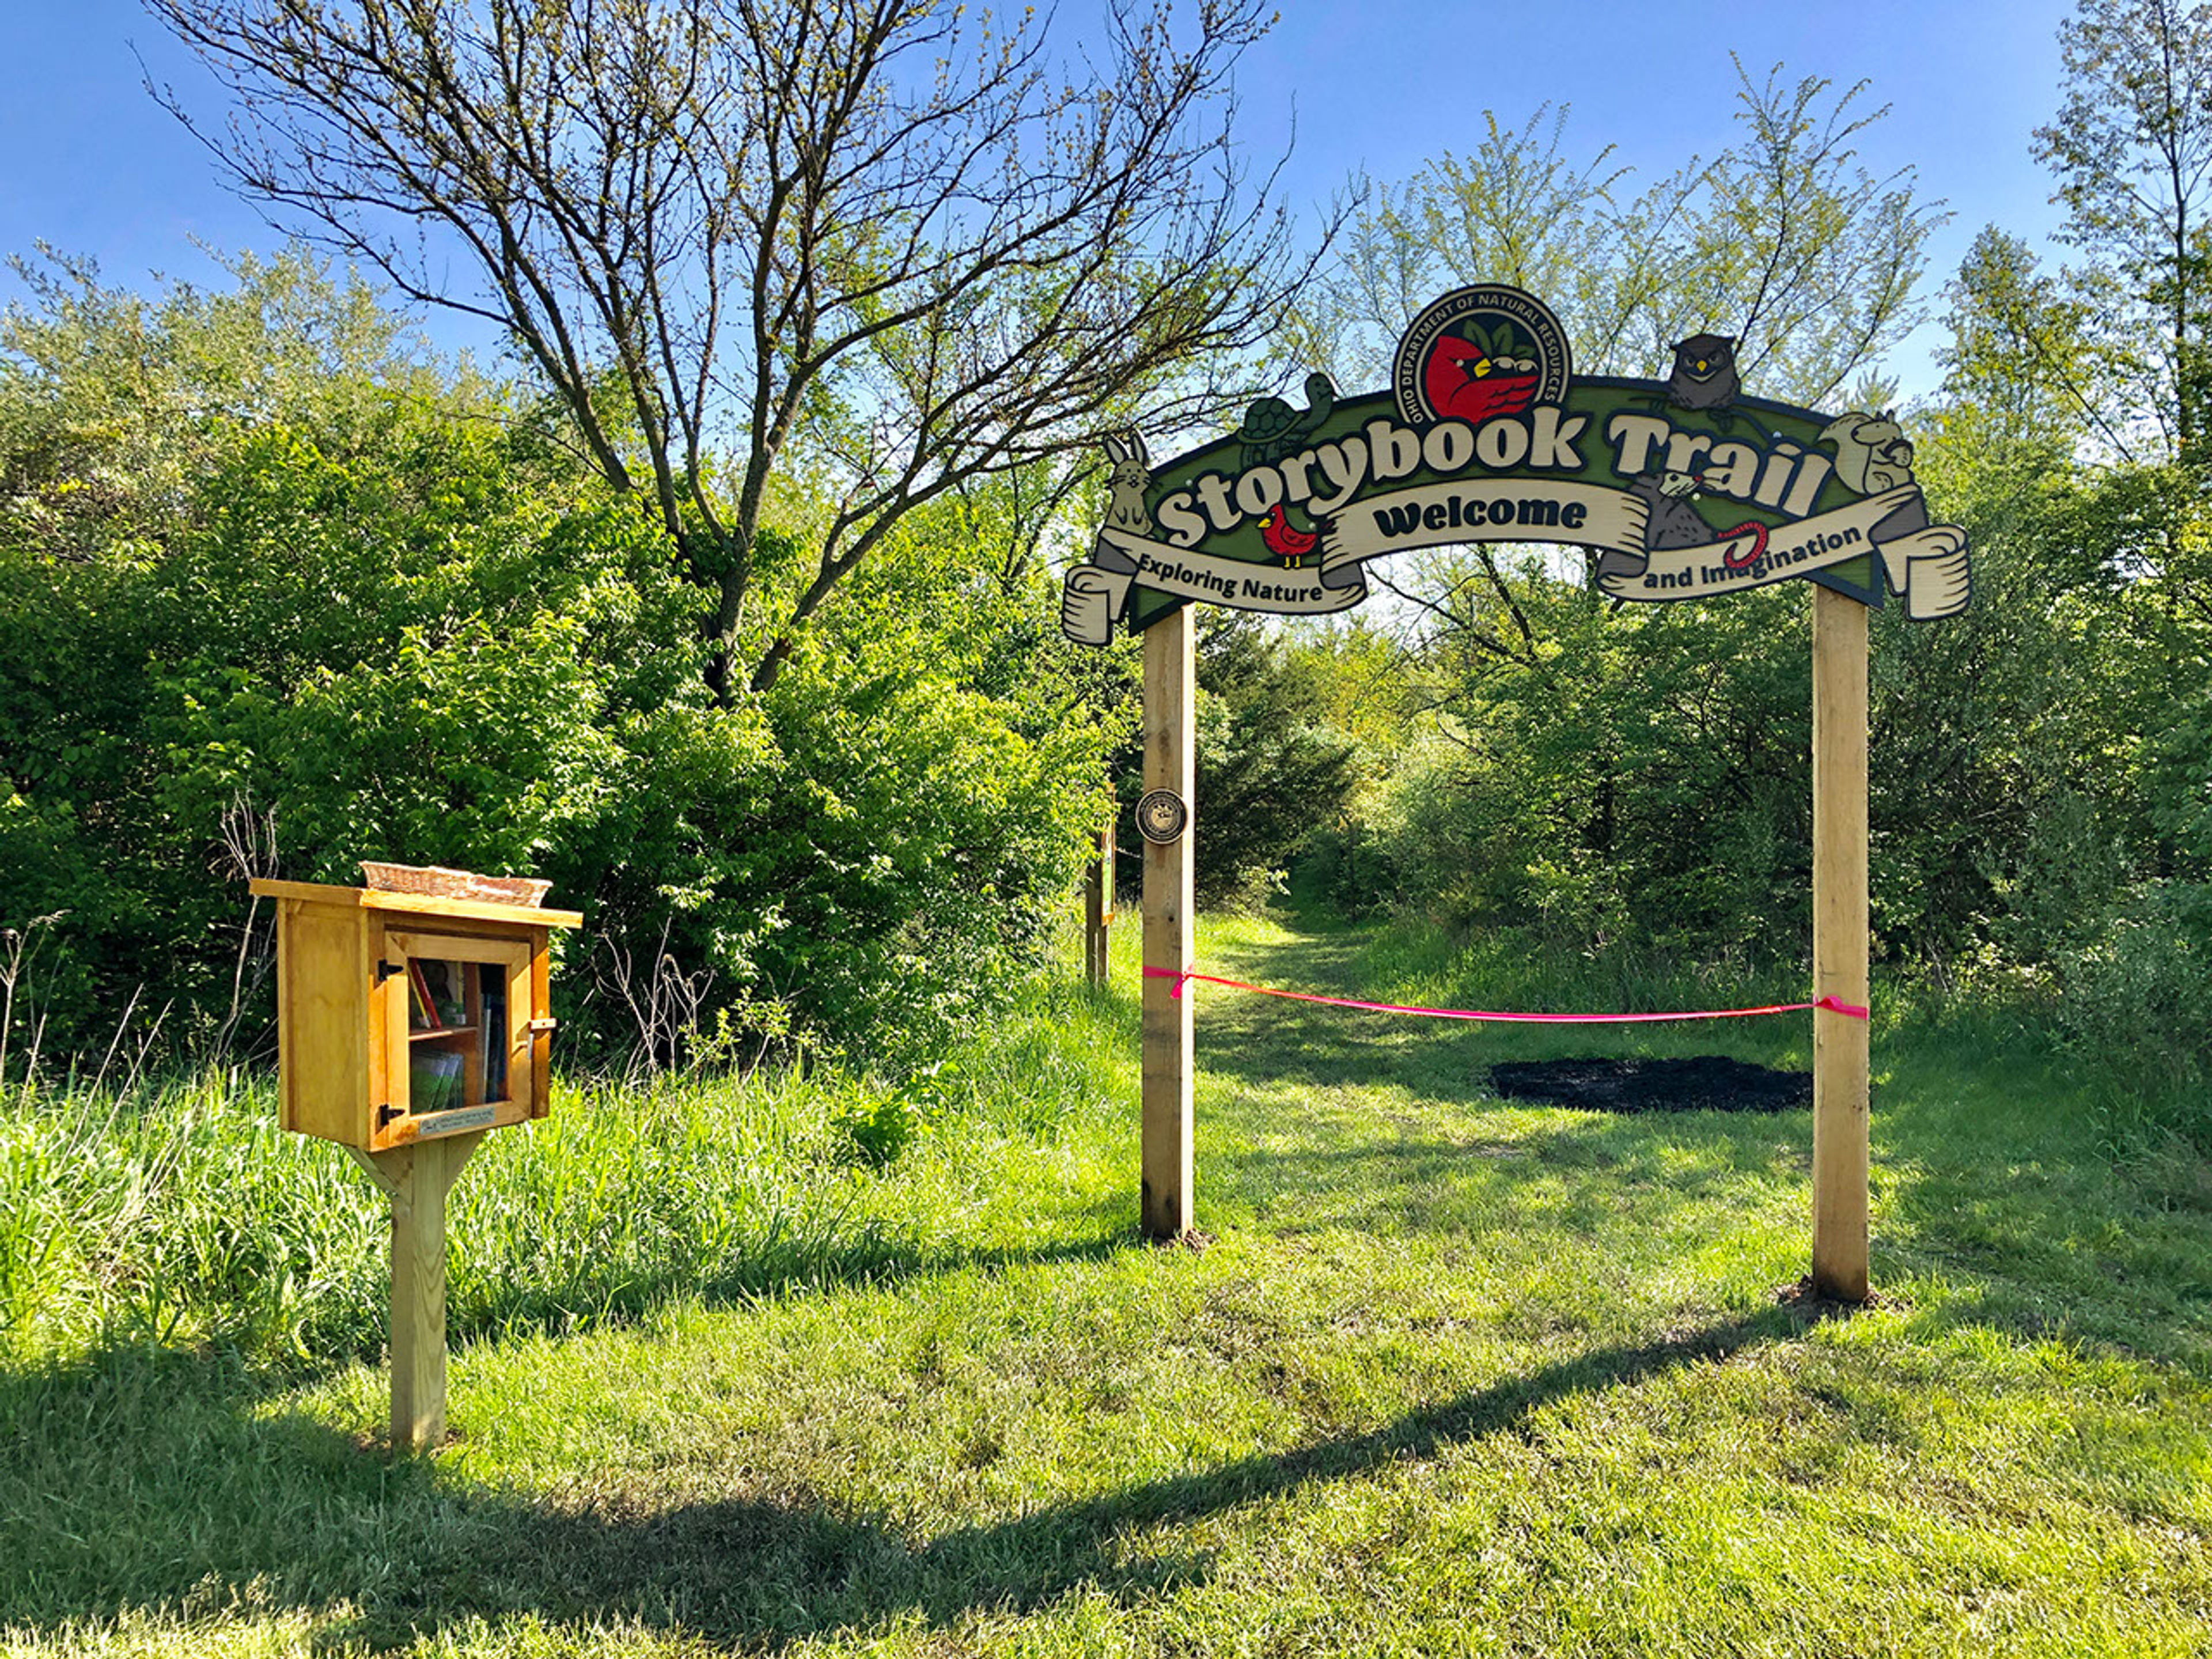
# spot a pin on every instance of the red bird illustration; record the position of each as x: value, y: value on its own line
x: 1290, y: 545
x: 1466, y: 383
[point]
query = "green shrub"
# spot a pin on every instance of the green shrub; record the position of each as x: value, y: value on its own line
x: 365, y: 609
x: 2132, y: 988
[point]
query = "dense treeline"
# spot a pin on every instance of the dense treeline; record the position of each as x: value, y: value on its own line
x: 282, y: 591
x: 1620, y: 783
x: 282, y: 594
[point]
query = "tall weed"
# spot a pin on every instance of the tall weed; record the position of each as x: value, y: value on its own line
x: 171, y: 1209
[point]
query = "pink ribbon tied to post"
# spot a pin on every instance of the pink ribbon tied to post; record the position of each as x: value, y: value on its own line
x: 1832, y: 1005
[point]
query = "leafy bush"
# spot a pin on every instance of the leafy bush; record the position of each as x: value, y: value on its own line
x: 371, y: 611
x: 2132, y: 993
x: 1273, y: 768
x: 1638, y: 779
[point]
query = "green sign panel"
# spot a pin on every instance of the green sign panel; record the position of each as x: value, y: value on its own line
x: 1681, y: 488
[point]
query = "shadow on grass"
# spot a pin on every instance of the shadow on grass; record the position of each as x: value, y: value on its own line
x: 179, y: 1491
x: 1987, y: 1174
x: 1589, y: 1176
x: 864, y: 1257
x: 157, y: 1481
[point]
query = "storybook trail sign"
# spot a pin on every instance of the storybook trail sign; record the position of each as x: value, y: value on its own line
x: 1684, y: 488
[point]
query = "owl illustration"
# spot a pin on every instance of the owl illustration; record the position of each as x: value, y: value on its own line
x: 1703, y: 375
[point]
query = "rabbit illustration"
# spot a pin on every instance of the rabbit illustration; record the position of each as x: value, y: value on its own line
x: 1132, y: 474
x: 1129, y: 475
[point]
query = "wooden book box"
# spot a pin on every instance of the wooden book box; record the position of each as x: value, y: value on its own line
x: 403, y: 1017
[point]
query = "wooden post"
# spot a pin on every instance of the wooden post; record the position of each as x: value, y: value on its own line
x: 1839, y: 945
x: 1169, y: 763
x: 417, y: 1179
x: 1098, y: 910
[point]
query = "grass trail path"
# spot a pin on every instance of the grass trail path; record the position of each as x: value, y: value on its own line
x: 1455, y: 1376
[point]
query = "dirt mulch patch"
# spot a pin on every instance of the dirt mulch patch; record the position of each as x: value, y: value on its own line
x: 1803, y: 1298
x: 1710, y: 1083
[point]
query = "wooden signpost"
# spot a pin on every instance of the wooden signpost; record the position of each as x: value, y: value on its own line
x: 1840, y: 1053
x: 410, y: 1024
x: 1170, y: 754
x: 417, y: 1179
x: 1098, y: 910
x: 1683, y: 487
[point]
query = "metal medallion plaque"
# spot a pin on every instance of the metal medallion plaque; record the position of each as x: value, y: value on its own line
x: 1162, y: 817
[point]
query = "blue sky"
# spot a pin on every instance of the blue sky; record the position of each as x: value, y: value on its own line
x: 95, y: 167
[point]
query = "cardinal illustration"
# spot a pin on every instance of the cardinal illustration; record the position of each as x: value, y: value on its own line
x: 1465, y: 382
x: 1289, y: 544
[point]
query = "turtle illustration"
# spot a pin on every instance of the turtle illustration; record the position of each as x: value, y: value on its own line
x: 1272, y: 428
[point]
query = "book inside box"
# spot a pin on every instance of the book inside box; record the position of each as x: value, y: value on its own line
x: 457, y: 1024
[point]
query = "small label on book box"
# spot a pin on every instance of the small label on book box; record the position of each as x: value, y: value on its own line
x: 453, y: 1123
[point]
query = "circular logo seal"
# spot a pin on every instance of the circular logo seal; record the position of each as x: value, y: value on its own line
x: 1480, y: 352
x: 1161, y: 818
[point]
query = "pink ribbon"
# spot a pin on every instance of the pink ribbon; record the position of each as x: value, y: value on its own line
x: 1833, y: 1005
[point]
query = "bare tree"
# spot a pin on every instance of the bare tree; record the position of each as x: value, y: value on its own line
x: 1784, y: 241
x: 2131, y: 149
x: 892, y: 246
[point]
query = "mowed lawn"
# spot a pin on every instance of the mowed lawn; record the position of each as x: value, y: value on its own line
x: 1452, y: 1376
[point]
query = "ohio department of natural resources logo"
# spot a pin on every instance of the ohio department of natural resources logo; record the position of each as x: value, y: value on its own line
x: 1480, y: 352
x: 1162, y: 817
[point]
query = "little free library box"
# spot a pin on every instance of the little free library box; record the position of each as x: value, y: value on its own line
x: 404, y: 1018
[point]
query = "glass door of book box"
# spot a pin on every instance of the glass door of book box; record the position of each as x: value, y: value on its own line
x: 464, y: 1004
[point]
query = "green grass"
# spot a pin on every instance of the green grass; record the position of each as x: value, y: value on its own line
x: 1454, y: 1375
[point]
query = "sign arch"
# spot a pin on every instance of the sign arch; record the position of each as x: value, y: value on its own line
x: 1682, y: 488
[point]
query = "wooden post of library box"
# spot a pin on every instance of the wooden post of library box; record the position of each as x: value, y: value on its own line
x: 408, y: 1026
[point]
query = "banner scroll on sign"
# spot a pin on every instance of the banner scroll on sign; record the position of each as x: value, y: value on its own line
x: 1926, y: 565
x: 1685, y: 488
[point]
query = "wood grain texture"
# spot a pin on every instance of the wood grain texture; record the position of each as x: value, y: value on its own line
x: 531, y: 1043
x: 387, y: 1032
x: 286, y: 1043
x: 419, y: 1178
x: 1170, y: 915
x: 323, y: 998
x: 519, y: 954
x: 419, y: 904
x: 1841, y: 1043
x: 343, y: 1034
